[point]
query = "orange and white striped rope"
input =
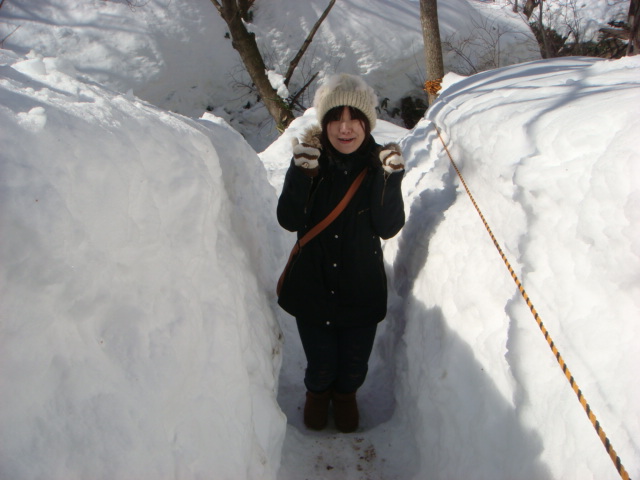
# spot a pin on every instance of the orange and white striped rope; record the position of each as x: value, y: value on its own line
x: 594, y: 421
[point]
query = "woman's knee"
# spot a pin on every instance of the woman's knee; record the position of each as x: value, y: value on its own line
x: 320, y: 378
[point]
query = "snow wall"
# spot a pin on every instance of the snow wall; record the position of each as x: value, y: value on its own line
x: 136, y: 338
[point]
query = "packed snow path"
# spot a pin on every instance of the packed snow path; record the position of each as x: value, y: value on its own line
x: 377, y: 450
x: 365, y: 454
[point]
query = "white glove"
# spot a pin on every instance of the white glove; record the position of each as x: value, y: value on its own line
x: 391, y: 158
x: 304, y: 155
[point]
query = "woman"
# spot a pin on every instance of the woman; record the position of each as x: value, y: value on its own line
x: 336, y: 288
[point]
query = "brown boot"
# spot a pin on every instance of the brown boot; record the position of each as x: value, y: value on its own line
x: 345, y: 411
x: 316, y: 410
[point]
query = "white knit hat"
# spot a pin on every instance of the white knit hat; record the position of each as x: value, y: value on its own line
x: 346, y: 90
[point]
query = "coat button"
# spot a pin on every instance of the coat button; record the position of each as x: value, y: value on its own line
x: 336, y: 236
x: 335, y: 265
x: 328, y: 323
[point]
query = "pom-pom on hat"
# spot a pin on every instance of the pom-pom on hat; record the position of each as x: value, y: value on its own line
x: 346, y: 90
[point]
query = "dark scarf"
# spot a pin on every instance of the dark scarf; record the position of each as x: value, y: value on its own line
x: 336, y: 160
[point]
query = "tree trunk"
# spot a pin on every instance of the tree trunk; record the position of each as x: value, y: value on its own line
x: 529, y: 7
x: 545, y: 41
x: 634, y: 25
x: 243, y: 8
x: 432, y: 47
x: 244, y: 42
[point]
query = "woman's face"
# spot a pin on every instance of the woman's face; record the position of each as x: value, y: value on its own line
x: 347, y: 134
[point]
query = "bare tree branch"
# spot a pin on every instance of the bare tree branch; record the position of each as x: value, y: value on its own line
x: 5, y: 38
x: 305, y: 45
x: 615, y: 32
x: 132, y: 4
x: 244, y: 42
x: 217, y: 5
x: 294, y: 99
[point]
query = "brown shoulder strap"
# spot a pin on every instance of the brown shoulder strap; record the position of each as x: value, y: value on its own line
x: 335, y: 212
x: 322, y: 225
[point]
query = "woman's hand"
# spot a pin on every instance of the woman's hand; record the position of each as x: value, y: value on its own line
x: 304, y: 155
x: 391, y: 158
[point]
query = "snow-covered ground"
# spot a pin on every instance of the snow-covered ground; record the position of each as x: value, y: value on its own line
x: 139, y: 250
x: 576, y: 19
x: 175, y: 54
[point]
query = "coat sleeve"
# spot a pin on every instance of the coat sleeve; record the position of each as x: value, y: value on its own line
x: 292, y: 209
x: 387, y: 206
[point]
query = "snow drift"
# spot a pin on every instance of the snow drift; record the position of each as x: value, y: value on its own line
x: 176, y: 54
x: 137, y: 340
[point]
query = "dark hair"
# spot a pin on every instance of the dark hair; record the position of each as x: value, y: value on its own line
x: 335, y: 114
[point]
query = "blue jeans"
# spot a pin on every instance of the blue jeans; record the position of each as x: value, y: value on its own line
x: 337, y: 357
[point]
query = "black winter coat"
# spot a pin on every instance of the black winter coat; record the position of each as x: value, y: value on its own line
x: 338, y: 278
